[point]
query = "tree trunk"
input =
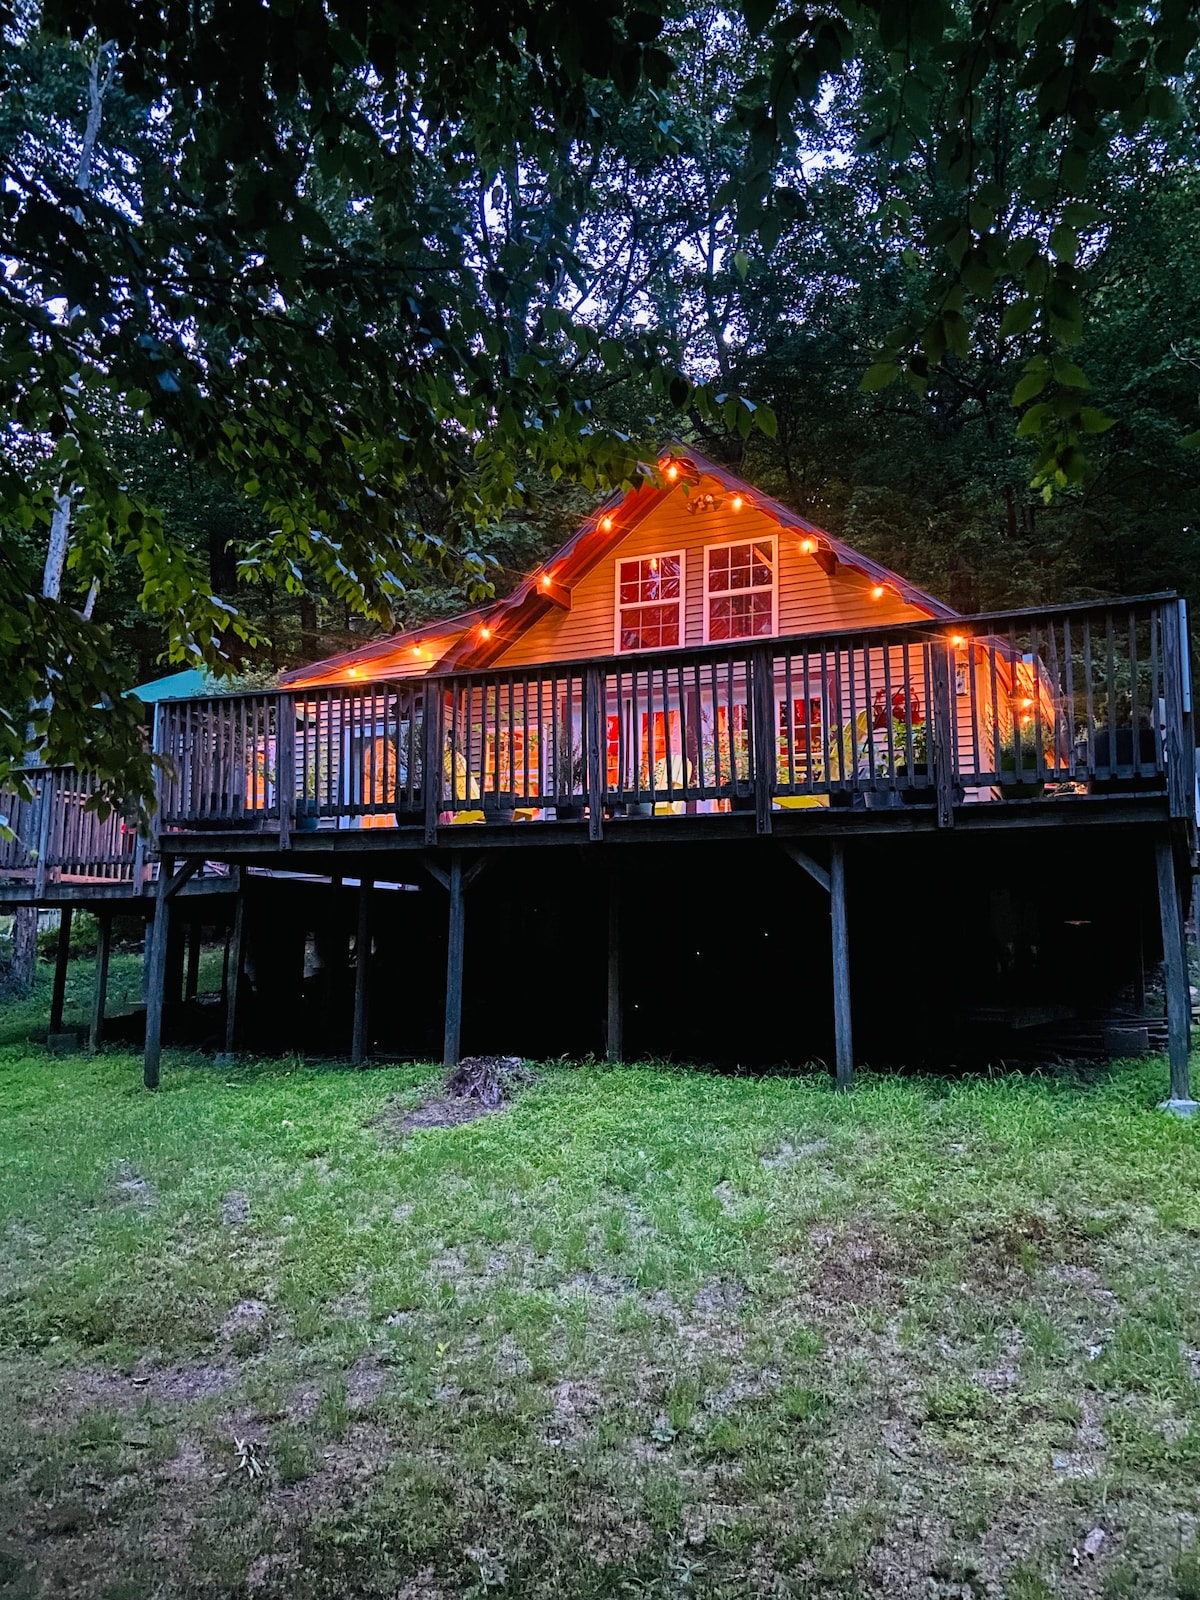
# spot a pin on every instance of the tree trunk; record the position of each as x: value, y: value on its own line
x: 24, y: 956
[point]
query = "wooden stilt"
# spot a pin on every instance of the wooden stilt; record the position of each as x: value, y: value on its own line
x: 454, y: 964
x: 191, y: 983
x: 176, y: 935
x: 1176, y: 974
x: 614, y: 1031
x: 62, y: 954
x: 362, y: 970
x: 168, y: 885
x: 235, y: 960
x: 156, y: 973
x: 841, y: 968
x: 100, y: 985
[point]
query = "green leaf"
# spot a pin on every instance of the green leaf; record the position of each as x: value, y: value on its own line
x: 1093, y: 420
x: 1018, y: 318
x: 879, y: 376
x: 1030, y: 385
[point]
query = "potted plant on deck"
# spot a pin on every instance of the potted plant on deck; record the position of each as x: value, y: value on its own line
x: 1017, y: 778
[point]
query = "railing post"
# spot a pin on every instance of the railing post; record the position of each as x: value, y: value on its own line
x: 431, y: 760
x: 285, y: 765
x: 47, y: 796
x: 944, y: 731
x: 593, y: 723
x: 762, y: 735
x: 1180, y: 752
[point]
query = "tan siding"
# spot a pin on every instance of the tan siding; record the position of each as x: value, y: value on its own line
x: 810, y: 601
x: 402, y: 663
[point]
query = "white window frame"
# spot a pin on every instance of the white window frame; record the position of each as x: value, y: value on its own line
x: 650, y: 555
x: 731, y: 544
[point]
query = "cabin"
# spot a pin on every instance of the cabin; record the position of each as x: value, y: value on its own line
x: 709, y: 783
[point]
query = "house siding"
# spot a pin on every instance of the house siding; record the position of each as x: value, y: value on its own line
x: 809, y: 599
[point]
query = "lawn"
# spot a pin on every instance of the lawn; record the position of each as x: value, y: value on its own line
x: 641, y: 1332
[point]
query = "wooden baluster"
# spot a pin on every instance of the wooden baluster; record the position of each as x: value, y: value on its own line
x: 943, y: 731
x: 593, y: 723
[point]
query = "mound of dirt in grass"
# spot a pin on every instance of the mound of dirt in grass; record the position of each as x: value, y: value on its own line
x: 477, y: 1086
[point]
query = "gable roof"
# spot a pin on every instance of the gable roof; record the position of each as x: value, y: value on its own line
x: 476, y: 638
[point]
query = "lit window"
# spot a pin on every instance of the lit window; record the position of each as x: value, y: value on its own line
x: 740, y: 590
x: 650, y: 602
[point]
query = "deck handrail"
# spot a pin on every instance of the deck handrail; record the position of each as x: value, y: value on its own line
x: 1093, y: 693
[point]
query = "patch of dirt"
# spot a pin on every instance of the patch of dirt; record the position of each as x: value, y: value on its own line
x: 235, y: 1208
x: 858, y: 1265
x: 1025, y: 1241
x: 442, y: 1111
x: 605, y: 1286
x: 511, y: 1360
x: 183, y: 1383
x: 130, y: 1188
x: 365, y: 1382
x: 789, y: 1155
x: 574, y: 1404
x: 267, y: 1570
x: 720, y: 1295
x: 743, y: 1387
x: 341, y: 1476
x: 247, y: 1316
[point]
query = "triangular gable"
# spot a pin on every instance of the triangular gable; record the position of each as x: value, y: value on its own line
x: 478, y: 638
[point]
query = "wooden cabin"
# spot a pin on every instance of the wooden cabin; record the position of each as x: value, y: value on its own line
x: 704, y: 722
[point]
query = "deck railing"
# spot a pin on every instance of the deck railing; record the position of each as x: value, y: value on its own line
x: 988, y: 709
x: 53, y: 834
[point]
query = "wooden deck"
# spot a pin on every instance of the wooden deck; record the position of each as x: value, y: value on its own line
x: 1025, y: 718
x: 1078, y: 717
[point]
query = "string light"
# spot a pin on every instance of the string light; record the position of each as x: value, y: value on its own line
x: 877, y: 592
x: 672, y: 472
x: 736, y: 503
x: 958, y: 641
x: 1026, y: 703
x: 416, y: 649
x: 606, y: 524
x: 808, y: 546
x: 354, y: 672
x: 547, y: 580
x: 485, y: 633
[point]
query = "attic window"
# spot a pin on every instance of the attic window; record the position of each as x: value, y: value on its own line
x: 739, y: 590
x: 650, y: 602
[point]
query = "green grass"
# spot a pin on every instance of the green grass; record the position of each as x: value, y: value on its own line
x: 644, y: 1332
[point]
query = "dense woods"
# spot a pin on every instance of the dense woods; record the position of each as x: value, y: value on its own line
x: 313, y: 325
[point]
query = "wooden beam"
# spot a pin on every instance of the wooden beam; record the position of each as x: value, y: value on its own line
x: 191, y: 983
x: 614, y: 1040
x: 1176, y: 973
x: 235, y: 964
x: 100, y: 980
x: 803, y: 860
x: 362, y: 971
x: 156, y: 971
x: 452, y: 1045
x: 844, y: 1046
x: 62, y: 954
x: 826, y: 560
x: 557, y: 593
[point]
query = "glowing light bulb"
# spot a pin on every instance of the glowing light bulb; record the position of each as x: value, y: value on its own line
x: 737, y: 503
x: 808, y: 546
x: 416, y: 649
x: 672, y: 472
x: 958, y: 641
x: 354, y: 672
x: 485, y: 633
x: 605, y: 524
x: 1026, y: 703
x: 546, y: 580
x: 877, y: 592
